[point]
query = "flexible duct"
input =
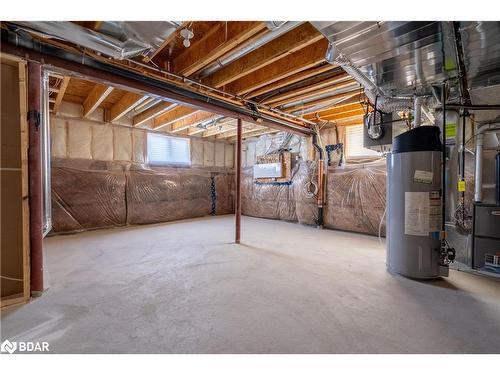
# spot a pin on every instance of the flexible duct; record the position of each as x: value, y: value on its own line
x: 384, y: 103
x: 88, y: 38
x: 478, y: 180
x: 248, y: 47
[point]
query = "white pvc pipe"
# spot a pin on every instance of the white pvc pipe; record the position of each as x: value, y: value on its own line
x: 417, y: 111
x: 478, y: 178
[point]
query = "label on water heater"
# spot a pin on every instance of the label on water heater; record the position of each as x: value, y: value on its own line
x: 424, y: 177
x: 422, y: 213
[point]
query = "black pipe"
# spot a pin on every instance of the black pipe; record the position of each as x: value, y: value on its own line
x: 319, y: 222
x: 443, y: 171
x: 464, y: 115
x: 497, y: 165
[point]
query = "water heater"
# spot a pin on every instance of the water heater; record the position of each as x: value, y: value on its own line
x: 414, y: 204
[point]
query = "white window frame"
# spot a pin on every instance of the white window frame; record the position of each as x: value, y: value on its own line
x: 160, y: 163
x: 361, y: 152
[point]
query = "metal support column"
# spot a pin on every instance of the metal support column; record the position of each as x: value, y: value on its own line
x: 238, y: 183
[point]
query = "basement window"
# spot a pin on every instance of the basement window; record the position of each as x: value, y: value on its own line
x: 165, y: 150
x: 354, y: 143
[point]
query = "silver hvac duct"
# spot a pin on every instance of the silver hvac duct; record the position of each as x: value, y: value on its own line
x: 105, y: 44
x: 273, y: 25
x: 478, y: 180
x: 248, y: 47
x: 45, y: 150
x: 417, y: 111
x: 372, y: 91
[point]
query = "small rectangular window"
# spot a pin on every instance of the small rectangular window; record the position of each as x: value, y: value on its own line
x: 165, y: 150
x: 354, y: 143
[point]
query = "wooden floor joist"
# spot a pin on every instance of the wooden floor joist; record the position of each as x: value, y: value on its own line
x: 128, y: 102
x: 60, y: 93
x: 173, y: 115
x: 190, y: 121
x: 95, y: 98
x: 151, y: 113
x: 283, y: 46
x: 305, y: 58
x: 224, y: 37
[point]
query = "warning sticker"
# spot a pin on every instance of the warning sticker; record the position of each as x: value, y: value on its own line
x: 424, y: 177
x: 422, y: 213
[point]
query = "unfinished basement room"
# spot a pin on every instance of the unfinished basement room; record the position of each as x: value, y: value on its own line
x: 251, y: 187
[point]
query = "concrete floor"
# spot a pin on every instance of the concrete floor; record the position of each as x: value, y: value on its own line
x: 184, y: 288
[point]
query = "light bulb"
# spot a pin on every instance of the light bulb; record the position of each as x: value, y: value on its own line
x: 186, y: 43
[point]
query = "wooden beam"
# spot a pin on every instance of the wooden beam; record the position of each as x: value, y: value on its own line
x: 291, y: 80
x: 221, y: 39
x: 292, y: 41
x: 227, y: 127
x: 60, y: 94
x: 344, y: 115
x: 128, y: 102
x: 334, y: 110
x: 150, y: 113
x: 305, y: 58
x: 247, y: 128
x: 95, y: 98
x: 220, y: 122
x: 190, y: 121
x: 326, y: 90
x: 255, y: 133
x: 302, y: 91
x: 175, y: 114
x: 312, y: 103
x: 355, y: 120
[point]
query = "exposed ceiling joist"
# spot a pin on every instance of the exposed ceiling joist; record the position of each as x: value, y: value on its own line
x: 326, y: 90
x: 214, y: 44
x: 189, y: 121
x: 220, y: 129
x: 95, y: 98
x: 355, y: 120
x: 344, y: 115
x: 344, y: 96
x: 291, y: 80
x: 299, y: 92
x: 305, y: 58
x: 60, y: 93
x: 292, y: 41
x: 324, y: 114
x: 254, y: 133
x: 150, y: 113
x: 173, y: 115
x: 128, y: 102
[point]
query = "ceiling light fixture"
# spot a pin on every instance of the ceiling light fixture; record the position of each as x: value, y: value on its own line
x: 187, y: 34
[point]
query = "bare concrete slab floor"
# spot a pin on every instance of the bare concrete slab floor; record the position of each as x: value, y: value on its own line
x: 184, y: 288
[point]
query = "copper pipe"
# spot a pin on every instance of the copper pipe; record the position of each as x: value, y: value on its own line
x: 35, y: 177
x: 238, y: 182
